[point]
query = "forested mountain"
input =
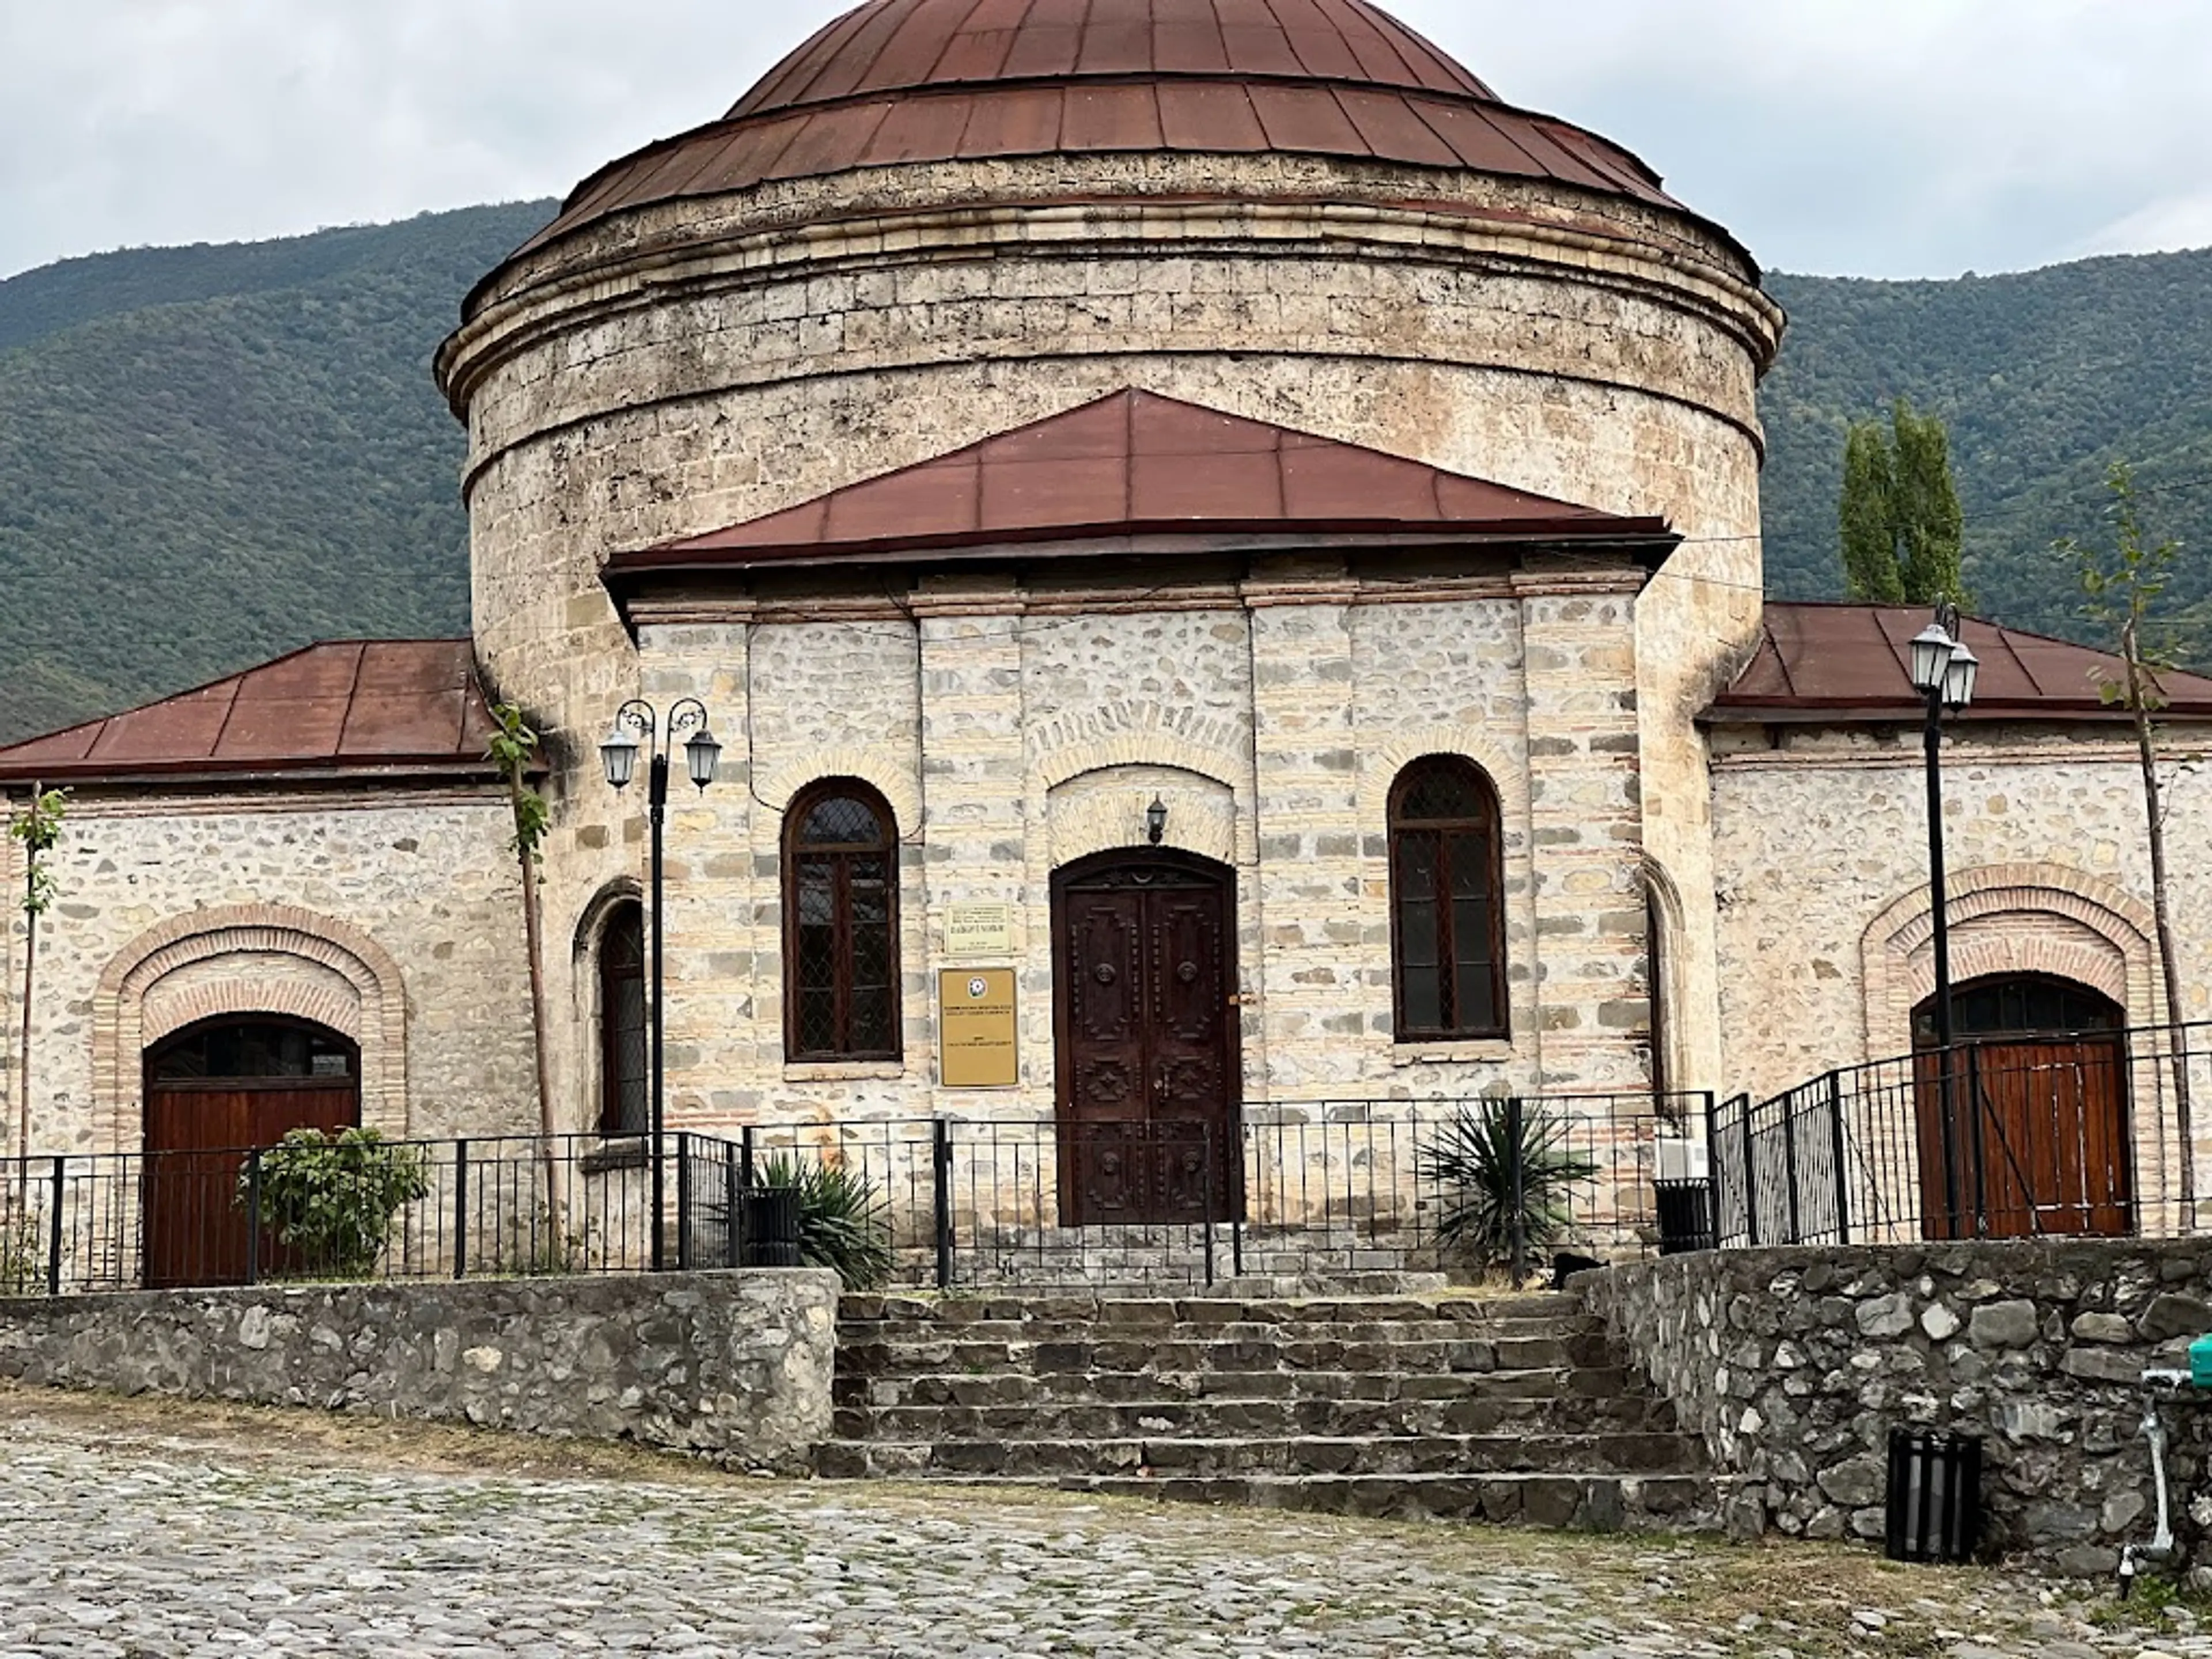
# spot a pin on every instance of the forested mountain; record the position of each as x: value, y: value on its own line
x: 209, y: 455
x: 2045, y: 378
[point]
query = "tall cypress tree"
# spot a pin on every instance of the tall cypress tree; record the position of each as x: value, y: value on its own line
x: 1868, y: 516
x: 1903, y: 531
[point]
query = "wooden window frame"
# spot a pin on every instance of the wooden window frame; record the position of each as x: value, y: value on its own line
x: 887, y: 848
x: 607, y: 1123
x: 1488, y: 825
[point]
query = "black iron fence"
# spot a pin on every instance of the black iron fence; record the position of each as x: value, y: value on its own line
x: 1318, y: 1190
x: 2089, y: 1133
x: 1307, y: 1191
x: 2095, y: 1133
x: 501, y: 1207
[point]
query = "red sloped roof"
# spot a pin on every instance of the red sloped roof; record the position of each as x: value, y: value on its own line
x: 1136, y: 463
x: 358, y: 708
x: 921, y: 81
x: 1817, y: 661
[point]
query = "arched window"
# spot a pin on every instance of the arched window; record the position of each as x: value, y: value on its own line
x: 2019, y: 1005
x: 623, y: 1110
x: 1447, y: 920
x: 841, y: 967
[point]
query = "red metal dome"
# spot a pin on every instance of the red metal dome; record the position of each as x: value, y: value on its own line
x: 904, y: 45
x: 899, y: 82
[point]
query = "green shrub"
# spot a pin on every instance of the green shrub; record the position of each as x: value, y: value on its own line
x: 841, y: 1219
x: 1472, y: 1155
x: 331, y: 1200
x: 22, y: 1250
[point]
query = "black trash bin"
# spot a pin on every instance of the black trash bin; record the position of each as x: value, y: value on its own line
x: 1686, y: 1217
x: 1934, y: 1496
x: 770, y: 1220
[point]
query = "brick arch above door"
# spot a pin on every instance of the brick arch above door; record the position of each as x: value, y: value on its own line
x: 2010, y: 918
x: 246, y: 959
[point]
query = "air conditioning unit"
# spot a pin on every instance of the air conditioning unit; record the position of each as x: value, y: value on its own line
x: 1683, y: 1160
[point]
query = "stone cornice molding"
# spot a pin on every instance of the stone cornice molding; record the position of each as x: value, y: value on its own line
x: 599, y: 279
x: 709, y: 611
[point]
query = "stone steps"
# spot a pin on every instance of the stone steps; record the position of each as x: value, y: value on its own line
x: 1018, y: 1389
x: 1444, y: 1403
x: 1210, y: 1419
x: 1173, y: 1456
x: 1223, y: 1305
x: 1191, y: 1355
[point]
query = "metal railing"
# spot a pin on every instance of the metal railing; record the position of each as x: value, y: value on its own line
x: 2092, y: 1132
x: 1313, y: 1191
x: 1310, y: 1190
x: 498, y: 1208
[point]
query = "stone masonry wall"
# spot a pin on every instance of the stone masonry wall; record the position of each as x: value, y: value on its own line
x: 393, y: 916
x: 1825, y: 936
x: 1272, y: 722
x: 731, y: 1366
x: 1795, y: 1364
x: 710, y: 360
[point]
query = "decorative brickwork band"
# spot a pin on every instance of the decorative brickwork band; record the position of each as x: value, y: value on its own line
x: 2010, y: 918
x: 246, y: 959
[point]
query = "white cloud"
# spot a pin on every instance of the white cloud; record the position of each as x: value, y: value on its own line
x: 1878, y: 136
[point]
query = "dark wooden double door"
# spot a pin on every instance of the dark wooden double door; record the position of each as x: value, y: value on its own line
x: 1148, y: 1036
x: 205, y: 1107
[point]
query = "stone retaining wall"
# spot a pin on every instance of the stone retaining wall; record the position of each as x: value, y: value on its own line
x: 731, y: 1366
x: 1795, y: 1364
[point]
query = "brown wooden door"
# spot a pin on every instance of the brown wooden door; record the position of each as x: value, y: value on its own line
x: 1145, y: 970
x: 2038, y: 1139
x: 197, y: 1131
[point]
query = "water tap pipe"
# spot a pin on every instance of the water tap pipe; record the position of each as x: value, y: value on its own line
x: 2160, y: 1549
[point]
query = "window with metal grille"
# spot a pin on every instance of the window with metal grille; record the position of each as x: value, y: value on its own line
x: 840, y: 965
x: 623, y: 1059
x: 1446, y: 915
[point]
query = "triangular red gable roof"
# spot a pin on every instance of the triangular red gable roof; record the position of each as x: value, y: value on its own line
x: 1817, y: 661
x: 1136, y: 463
x: 376, y: 707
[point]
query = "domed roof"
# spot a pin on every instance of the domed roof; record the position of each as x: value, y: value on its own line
x: 920, y: 81
x: 904, y: 44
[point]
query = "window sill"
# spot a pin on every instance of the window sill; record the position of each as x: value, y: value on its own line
x: 841, y: 1071
x: 1478, y: 1050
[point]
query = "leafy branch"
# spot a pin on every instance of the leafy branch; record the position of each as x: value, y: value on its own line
x: 38, y: 827
x: 514, y: 750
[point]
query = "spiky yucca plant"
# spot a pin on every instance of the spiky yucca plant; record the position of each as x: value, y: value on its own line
x: 1471, y: 1158
x: 840, y: 1219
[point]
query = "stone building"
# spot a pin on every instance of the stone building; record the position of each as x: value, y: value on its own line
x: 1219, y: 531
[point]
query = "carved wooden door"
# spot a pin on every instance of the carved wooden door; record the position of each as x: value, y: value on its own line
x: 1145, y: 968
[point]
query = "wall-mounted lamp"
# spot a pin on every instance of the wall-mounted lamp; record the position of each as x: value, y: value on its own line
x: 1155, y: 820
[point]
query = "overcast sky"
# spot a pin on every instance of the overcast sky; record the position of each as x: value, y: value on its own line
x: 1869, y: 137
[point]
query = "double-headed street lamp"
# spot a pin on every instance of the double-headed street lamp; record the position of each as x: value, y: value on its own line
x: 638, y: 720
x: 1944, y: 672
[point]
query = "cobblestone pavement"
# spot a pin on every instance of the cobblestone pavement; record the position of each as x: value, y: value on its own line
x: 136, y: 1529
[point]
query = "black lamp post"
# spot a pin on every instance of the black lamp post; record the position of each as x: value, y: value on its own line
x: 1944, y: 672
x: 634, y: 720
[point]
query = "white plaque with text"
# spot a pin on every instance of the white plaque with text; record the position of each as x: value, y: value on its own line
x: 972, y: 931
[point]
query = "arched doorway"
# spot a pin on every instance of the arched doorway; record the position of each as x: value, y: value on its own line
x: 1146, y: 1030
x: 2028, y: 1132
x: 213, y: 1092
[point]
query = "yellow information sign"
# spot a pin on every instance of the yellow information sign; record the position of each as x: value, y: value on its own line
x: 976, y: 1044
